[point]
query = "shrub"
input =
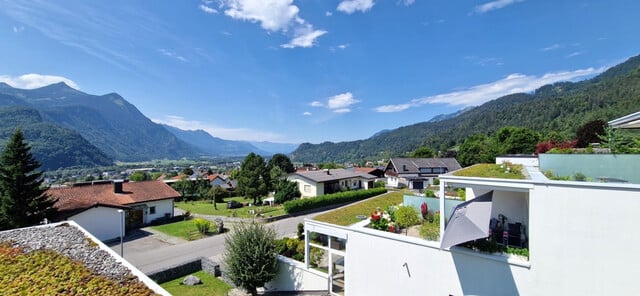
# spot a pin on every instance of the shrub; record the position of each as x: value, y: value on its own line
x: 436, y: 181
x: 249, y: 256
x: 298, y: 205
x: 430, y: 231
x: 300, y: 231
x: 407, y: 216
x: 203, y: 225
x: 429, y: 193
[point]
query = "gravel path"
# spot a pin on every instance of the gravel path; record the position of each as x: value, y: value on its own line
x: 71, y: 242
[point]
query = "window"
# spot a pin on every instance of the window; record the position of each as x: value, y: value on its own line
x: 152, y: 210
x: 307, y: 188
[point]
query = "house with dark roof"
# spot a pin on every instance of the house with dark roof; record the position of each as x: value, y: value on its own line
x: 321, y: 182
x: 378, y: 172
x: 417, y: 173
x: 96, y: 205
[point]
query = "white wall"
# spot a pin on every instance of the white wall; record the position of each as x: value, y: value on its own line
x: 162, y: 207
x: 428, y: 270
x: 525, y: 161
x: 313, y: 190
x: 293, y: 276
x: 583, y: 240
x: 102, y: 222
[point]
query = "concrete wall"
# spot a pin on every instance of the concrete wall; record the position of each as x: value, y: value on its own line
x: 400, y: 265
x: 293, y: 276
x: 162, y: 207
x: 525, y: 161
x: 102, y: 222
x: 583, y: 240
x: 313, y: 189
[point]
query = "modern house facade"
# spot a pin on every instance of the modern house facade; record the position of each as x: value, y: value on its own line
x: 581, y: 240
x: 417, y: 173
x: 320, y: 182
x: 100, y: 206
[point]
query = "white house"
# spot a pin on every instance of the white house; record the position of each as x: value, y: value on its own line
x: 582, y: 239
x: 96, y: 206
x: 320, y: 182
x: 417, y: 173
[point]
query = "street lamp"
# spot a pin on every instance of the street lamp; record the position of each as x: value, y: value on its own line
x: 121, y: 233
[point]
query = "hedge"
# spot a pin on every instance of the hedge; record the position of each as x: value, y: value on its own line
x: 298, y: 205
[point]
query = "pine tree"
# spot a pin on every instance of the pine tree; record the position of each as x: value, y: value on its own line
x: 23, y: 201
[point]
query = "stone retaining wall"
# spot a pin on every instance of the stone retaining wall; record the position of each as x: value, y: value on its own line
x: 185, y: 268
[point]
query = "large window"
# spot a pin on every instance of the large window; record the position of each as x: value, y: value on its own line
x: 326, y: 254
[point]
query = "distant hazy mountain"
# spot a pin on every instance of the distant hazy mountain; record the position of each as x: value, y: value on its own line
x: 442, y: 117
x: 108, y: 122
x: 273, y: 148
x: 561, y: 107
x: 213, y: 146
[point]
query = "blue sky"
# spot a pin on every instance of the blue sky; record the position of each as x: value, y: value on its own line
x: 314, y: 70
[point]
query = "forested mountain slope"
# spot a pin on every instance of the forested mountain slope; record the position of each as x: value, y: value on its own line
x: 108, y: 122
x: 561, y: 107
x: 52, y: 146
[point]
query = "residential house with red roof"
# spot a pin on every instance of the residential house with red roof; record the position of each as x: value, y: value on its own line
x: 95, y: 205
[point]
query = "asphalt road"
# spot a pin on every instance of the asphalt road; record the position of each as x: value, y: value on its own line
x: 151, y: 252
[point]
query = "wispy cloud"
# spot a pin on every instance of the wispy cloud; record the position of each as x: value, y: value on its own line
x: 207, y: 9
x: 339, y: 103
x: 238, y: 134
x: 275, y: 16
x: 479, y: 94
x: 172, y: 55
x: 30, y: 81
x: 86, y: 28
x: 406, y: 2
x: 351, y: 6
x: 574, y: 54
x: 480, y: 61
x: 341, y: 46
x: 493, y: 5
x: 18, y: 29
x: 305, y: 36
x: 552, y: 47
x: 307, y: 113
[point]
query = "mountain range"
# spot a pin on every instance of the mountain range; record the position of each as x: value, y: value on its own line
x: 67, y: 127
x: 559, y: 108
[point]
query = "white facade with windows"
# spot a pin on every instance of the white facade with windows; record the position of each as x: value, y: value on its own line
x: 582, y: 240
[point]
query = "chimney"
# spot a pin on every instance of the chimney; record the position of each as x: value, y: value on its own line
x: 117, y: 186
x: 327, y: 171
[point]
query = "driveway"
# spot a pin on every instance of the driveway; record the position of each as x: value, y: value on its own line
x: 150, y: 251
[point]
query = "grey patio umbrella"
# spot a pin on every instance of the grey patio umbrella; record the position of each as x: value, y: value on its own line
x: 469, y: 220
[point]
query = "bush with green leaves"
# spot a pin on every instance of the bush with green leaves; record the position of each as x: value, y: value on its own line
x: 203, y: 225
x: 250, y: 256
x: 406, y: 216
x: 298, y: 205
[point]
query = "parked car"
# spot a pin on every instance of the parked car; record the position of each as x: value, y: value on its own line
x: 233, y: 205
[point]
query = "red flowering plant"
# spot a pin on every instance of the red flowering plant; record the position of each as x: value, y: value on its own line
x: 382, y: 220
x: 424, y: 210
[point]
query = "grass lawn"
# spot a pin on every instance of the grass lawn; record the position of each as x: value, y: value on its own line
x: 210, y: 286
x: 488, y: 170
x: 347, y: 215
x: 183, y: 229
x: 206, y: 208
